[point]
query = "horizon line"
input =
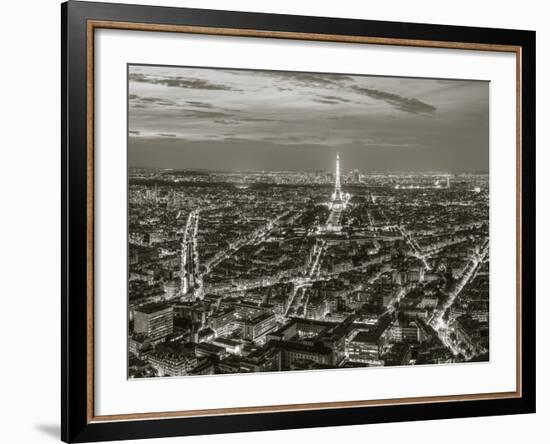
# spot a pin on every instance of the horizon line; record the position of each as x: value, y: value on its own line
x: 210, y: 170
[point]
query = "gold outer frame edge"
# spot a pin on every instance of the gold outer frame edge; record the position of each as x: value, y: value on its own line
x: 92, y: 25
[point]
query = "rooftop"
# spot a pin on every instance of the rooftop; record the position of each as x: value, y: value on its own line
x: 153, y: 307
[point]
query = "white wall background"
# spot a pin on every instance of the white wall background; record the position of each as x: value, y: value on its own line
x: 30, y: 221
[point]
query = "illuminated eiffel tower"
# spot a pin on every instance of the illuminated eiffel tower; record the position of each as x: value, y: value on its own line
x: 338, y: 203
x: 339, y: 199
x: 337, y: 195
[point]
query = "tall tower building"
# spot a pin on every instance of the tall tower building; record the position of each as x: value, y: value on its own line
x: 337, y: 186
x: 339, y: 199
x: 337, y: 204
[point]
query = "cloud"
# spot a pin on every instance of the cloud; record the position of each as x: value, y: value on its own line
x: 150, y: 100
x: 327, y: 102
x: 198, y: 104
x: 235, y: 113
x: 226, y: 122
x: 405, y: 104
x: 297, y: 78
x: 331, y: 100
x: 179, y: 82
x: 255, y: 119
x: 194, y: 113
x: 316, y: 79
x: 338, y: 99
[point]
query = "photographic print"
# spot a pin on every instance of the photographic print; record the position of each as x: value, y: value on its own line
x: 285, y: 221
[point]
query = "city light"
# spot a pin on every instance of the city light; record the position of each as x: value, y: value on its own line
x: 272, y: 271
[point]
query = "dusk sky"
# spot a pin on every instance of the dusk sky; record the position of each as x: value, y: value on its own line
x: 224, y: 119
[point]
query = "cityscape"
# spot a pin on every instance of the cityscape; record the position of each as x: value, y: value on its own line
x: 240, y: 271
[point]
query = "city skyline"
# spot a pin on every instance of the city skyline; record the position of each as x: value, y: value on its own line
x: 183, y: 118
x: 260, y: 240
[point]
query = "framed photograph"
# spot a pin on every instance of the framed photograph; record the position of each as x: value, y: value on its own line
x: 275, y: 221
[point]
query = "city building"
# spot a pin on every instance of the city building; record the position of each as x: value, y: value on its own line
x: 240, y: 272
x: 173, y: 359
x: 365, y: 348
x: 255, y: 328
x: 155, y: 320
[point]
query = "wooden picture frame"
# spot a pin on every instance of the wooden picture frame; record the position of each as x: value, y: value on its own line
x: 79, y: 22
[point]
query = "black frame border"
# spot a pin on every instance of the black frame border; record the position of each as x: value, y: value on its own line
x: 75, y: 425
